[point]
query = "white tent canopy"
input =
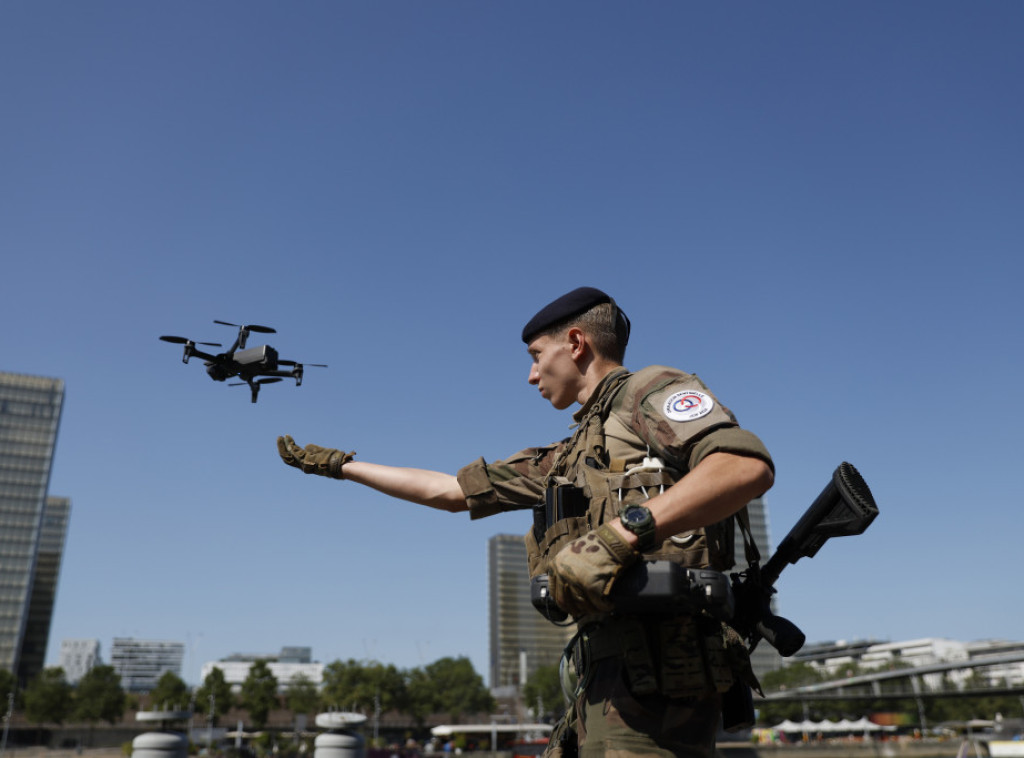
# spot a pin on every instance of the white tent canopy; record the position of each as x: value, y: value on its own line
x: 828, y: 727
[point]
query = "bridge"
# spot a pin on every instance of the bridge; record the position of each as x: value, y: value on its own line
x: 869, y: 686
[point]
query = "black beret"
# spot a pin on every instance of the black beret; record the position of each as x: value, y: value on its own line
x: 564, y: 308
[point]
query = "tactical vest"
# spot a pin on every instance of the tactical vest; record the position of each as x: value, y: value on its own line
x: 605, y: 459
x: 678, y: 656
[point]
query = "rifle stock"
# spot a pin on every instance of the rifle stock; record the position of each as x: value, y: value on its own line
x: 845, y: 507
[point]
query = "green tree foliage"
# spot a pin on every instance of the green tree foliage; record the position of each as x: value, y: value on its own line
x: 6, y: 688
x: 301, y: 695
x: 451, y: 686
x: 48, y: 698
x: 259, y: 693
x: 214, y: 696
x: 352, y: 685
x: 99, y: 696
x: 545, y: 688
x: 171, y: 692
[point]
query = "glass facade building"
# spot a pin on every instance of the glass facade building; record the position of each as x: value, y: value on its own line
x: 44, y: 587
x: 521, y: 639
x: 141, y: 663
x: 30, y: 408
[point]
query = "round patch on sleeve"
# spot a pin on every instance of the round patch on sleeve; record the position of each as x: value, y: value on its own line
x: 688, y: 405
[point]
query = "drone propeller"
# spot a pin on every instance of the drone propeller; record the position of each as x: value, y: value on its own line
x: 294, y: 363
x: 250, y: 327
x: 184, y: 341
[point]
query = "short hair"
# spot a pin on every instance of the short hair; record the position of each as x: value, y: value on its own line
x: 606, y: 327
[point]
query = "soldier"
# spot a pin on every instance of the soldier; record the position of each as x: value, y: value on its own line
x: 657, y: 467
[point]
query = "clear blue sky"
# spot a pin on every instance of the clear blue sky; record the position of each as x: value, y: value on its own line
x: 817, y: 207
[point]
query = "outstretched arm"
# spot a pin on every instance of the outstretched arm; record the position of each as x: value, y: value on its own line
x: 430, y: 488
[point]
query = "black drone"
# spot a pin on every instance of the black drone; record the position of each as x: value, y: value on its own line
x: 255, y: 366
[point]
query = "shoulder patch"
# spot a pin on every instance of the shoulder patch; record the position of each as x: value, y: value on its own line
x: 688, y: 405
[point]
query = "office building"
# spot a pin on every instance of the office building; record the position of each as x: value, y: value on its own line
x: 44, y: 587
x: 141, y: 663
x: 522, y: 640
x: 30, y: 408
x: 78, y: 658
x: 290, y: 665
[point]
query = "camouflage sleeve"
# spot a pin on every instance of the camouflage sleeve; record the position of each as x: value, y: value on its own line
x: 684, y: 422
x: 514, y: 483
x: 730, y: 439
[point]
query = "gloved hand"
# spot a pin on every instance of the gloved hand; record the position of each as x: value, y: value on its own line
x: 313, y: 459
x: 583, y: 572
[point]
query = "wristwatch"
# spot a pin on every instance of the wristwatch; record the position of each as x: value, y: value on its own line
x: 638, y: 519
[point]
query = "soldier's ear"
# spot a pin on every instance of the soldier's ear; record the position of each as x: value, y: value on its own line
x: 578, y: 342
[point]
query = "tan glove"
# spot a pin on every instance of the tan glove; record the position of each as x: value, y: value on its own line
x: 583, y: 572
x: 313, y: 459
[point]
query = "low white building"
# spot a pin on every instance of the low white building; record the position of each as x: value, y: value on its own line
x: 78, y: 657
x: 291, y: 664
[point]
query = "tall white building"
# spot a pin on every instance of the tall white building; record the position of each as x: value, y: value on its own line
x: 78, y: 657
x: 522, y: 640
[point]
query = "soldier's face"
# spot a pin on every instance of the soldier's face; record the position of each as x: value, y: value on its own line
x: 553, y: 370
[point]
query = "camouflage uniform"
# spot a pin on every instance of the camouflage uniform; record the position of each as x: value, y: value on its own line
x: 652, y: 686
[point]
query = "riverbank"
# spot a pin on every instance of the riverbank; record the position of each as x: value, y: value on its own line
x: 845, y: 749
x: 838, y: 749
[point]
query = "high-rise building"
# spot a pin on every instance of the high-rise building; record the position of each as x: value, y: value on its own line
x: 78, y: 657
x: 522, y: 640
x: 44, y: 587
x: 30, y: 408
x: 141, y: 663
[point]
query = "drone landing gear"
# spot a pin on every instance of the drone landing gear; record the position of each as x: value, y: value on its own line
x: 255, y: 385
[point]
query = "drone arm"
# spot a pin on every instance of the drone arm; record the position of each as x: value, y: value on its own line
x: 190, y: 351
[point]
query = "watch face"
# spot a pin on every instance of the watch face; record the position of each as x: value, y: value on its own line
x: 636, y: 515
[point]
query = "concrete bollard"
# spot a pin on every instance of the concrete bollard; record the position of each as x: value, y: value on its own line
x: 163, y: 744
x: 341, y: 740
x: 160, y: 745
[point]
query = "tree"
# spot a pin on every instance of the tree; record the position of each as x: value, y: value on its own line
x: 99, y: 696
x: 352, y: 684
x: 302, y: 695
x: 170, y: 691
x: 259, y: 693
x: 545, y: 688
x: 48, y: 698
x: 6, y: 688
x: 449, y: 685
x: 214, y: 695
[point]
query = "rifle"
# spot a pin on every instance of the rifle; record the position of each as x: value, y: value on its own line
x: 845, y: 507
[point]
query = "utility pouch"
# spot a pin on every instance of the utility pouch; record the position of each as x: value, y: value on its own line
x: 681, y: 658
x: 563, y: 501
